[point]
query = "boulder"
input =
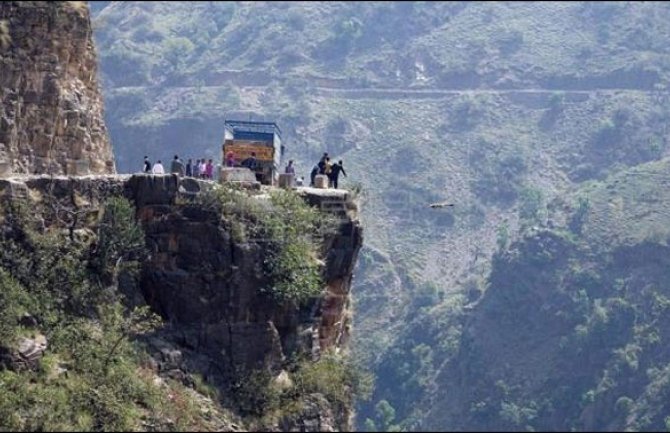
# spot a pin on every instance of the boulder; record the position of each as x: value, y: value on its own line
x: 26, y: 353
x: 236, y: 174
x: 286, y: 180
x: 321, y: 181
x: 315, y: 415
x: 153, y: 189
x: 27, y: 320
x: 31, y: 349
x: 5, y: 168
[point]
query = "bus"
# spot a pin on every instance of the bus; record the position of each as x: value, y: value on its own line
x: 243, y: 138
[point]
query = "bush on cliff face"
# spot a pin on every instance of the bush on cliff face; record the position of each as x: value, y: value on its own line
x: 120, y: 240
x: 48, y: 263
x: 337, y: 378
x: 256, y: 394
x: 14, y: 302
x: 295, y: 230
x: 261, y: 398
x: 291, y: 229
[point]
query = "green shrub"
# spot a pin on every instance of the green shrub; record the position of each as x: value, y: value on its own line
x: 500, y: 179
x: 291, y: 229
x: 89, y: 378
x: 467, y: 114
x: 49, y: 264
x: 204, y: 388
x: 518, y: 416
x: 502, y: 237
x: 255, y: 394
x: 531, y: 207
x: 120, y: 240
x: 337, y: 378
x: 176, y: 50
x: 510, y: 41
x: 578, y: 218
x: 296, y: 230
x: 385, y: 414
x: 134, y: 68
x: 426, y: 295
x: 14, y: 301
x: 624, y: 405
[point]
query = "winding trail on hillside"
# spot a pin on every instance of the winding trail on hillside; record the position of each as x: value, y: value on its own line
x: 356, y: 93
x: 422, y: 93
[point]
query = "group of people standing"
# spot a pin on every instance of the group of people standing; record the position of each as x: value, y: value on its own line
x: 202, y: 168
x: 325, y: 167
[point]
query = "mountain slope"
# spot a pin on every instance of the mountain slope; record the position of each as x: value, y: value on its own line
x: 500, y: 108
x: 570, y: 333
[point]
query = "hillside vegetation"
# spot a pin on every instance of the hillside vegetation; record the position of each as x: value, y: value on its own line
x: 59, y: 293
x: 527, y: 116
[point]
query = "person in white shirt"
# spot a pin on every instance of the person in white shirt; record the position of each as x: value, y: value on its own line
x: 203, y: 169
x: 158, y: 168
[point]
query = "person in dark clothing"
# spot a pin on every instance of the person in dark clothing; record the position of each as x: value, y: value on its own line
x: 251, y: 163
x: 147, y: 165
x: 189, y: 168
x: 312, y: 175
x: 177, y: 166
x: 322, y: 163
x: 290, y: 169
x: 335, y: 170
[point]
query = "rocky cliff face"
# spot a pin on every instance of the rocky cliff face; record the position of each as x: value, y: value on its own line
x: 205, y: 282
x: 203, y: 279
x: 51, y: 113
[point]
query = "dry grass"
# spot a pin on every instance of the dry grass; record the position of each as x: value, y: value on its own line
x: 5, y: 38
x: 81, y: 7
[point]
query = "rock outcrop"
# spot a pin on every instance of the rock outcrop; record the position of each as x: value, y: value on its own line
x: 51, y: 117
x: 205, y: 281
x: 26, y: 353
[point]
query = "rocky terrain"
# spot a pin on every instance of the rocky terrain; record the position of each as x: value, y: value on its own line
x: 154, y: 302
x: 536, y: 302
x: 205, y: 283
x: 499, y: 108
x: 51, y: 118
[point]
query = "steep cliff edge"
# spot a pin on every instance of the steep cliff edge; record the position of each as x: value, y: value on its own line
x: 210, y: 285
x: 133, y: 303
x: 51, y: 113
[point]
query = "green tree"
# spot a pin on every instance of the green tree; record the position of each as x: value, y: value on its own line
x: 370, y: 425
x: 578, y: 218
x: 531, y: 206
x: 502, y: 236
x: 176, y: 51
x: 120, y: 240
x: 385, y: 415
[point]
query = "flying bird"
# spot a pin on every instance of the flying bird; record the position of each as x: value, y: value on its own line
x: 436, y: 205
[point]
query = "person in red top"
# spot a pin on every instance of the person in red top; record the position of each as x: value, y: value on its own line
x: 209, y: 169
x: 230, y: 160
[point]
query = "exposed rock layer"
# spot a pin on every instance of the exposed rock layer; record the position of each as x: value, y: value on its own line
x: 51, y: 117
